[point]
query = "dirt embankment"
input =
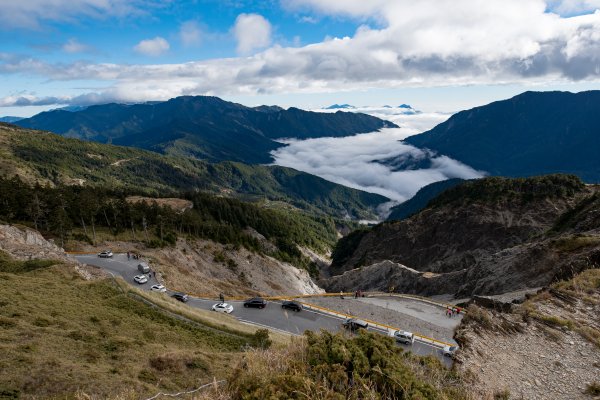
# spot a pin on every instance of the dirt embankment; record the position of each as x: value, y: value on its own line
x: 547, y: 348
x: 207, y: 268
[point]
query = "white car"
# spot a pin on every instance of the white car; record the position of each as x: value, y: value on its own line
x: 158, y: 288
x: 141, y: 279
x: 449, y: 351
x: 105, y: 254
x: 404, y: 337
x: 223, y: 307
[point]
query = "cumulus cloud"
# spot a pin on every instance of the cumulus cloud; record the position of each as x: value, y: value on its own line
x: 414, y: 43
x: 363, y: 161
x: 152, y: 47
x: 190, y: 33
x: 252, y: 31
x: 29, y: 14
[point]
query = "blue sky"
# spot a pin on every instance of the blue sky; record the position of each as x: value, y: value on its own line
x: 439, y: 55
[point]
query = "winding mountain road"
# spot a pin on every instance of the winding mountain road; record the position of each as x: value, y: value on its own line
x: 272, y: 317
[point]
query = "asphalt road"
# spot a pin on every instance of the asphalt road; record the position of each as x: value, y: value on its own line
x: 272, y: 317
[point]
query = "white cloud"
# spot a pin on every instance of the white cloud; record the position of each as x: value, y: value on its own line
x: 152, y: 47
x: 190, y: 33
x: 416, y: 44
x: 74, y: 46
x: 252, y: 31
x: 29, y: 14
x: 358, y: 161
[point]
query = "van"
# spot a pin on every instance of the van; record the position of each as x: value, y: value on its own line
x: 404, y: 337
x: 143, y: 268
x: 354, y: 324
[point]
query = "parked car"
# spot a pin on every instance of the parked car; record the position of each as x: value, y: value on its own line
x: 291, y: 305
x: 105, y: 254
x: 181, y: 297
x: 141, y: 279
x: 353, y: 324
x: 449, y: 351
x: 257, y: 302
x: 223, y: 307
x: 158, y: 288
x: 143, y: 268
x: 404, y: 337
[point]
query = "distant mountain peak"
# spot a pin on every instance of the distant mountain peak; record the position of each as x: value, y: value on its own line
x: 340, y: 107
x: 407, y: 106
x: 10, y: 119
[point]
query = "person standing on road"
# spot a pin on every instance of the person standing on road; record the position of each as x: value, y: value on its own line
x: 128, y: 256
x: 221, y: 298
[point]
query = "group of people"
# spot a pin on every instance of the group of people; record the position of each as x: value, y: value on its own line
x: 358, y: 294
x: 452, y: 311
x: 131, y: 255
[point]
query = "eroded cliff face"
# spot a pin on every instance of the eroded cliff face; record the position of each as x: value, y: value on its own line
x: 466, y: 246
x: 23, y: 244
x: 452, y: 237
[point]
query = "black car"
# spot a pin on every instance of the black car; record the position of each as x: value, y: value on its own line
x: 354, y: 324
x: 257, y: 302
x: 291, y: 305
x: 180, y: 296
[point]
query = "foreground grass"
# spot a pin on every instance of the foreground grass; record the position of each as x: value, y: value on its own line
x: 61, y: 335
x: 327, y: 366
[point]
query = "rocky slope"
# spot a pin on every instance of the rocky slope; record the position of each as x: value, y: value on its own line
x: 23, y: 244
x: 547, y: 348
x: 482, y: 237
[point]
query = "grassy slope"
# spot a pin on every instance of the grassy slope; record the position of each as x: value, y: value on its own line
x: 51, y: 159
x: 61, y: 334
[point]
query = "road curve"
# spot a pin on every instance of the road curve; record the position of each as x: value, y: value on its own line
x: 272, y: 317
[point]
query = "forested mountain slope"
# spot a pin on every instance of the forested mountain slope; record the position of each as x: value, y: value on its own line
x: 533, y: 133
x: 45, y: 158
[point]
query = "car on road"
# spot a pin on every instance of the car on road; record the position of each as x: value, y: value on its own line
x: 256, y: 302
x: 158, y: 288
x: 223, y: 307
x: 353, y: 324
x: 181, y: 297
x: 143, y: 268
x: 105, y: 254
x: 291, y: 305
x: 449, y: 351
x: 141, y: 279
x: 404, y: 337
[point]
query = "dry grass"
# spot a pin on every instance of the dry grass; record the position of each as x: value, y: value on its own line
x: 65, y: 337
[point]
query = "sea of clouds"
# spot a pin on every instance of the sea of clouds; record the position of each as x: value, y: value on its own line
x: 363, y: 161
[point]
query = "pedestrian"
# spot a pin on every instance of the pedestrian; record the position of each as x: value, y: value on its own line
x: 128, y: 255
x: 341, y: 295
x: 221, y: 298
x: 356, y: 294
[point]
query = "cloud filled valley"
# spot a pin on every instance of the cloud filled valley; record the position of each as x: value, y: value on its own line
x: 377, y: 162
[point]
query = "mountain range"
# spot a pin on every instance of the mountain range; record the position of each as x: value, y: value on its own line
x: 533, y: 133
x: 201, y: 127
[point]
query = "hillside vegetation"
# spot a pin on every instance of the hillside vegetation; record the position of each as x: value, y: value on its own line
x: 76, y: 213
x: 61, y: 336
x: 337, y: 367
x: 45, y: 158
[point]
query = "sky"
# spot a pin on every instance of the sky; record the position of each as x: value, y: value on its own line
x: 437, y: 55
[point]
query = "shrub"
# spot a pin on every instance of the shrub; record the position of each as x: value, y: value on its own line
x: 261, y: 339
x: 593, y: 389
